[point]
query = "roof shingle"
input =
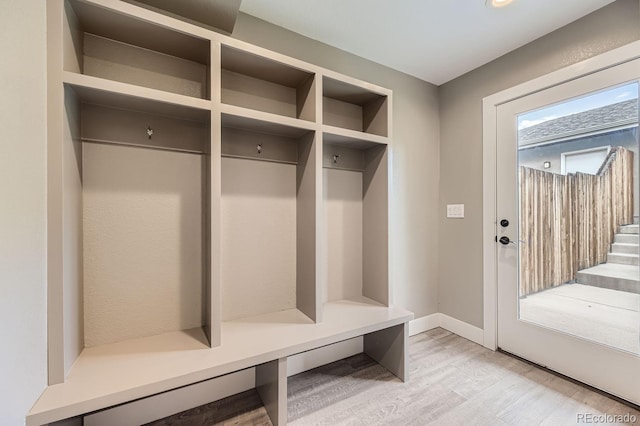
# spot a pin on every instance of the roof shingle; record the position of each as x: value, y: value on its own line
x: 609, y: 116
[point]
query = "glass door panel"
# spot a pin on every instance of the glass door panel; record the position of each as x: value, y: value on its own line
x: 578, y: 212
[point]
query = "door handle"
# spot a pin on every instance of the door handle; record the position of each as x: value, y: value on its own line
x: 505, y: 241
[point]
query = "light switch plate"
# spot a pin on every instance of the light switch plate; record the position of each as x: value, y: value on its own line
x: 455, y: 211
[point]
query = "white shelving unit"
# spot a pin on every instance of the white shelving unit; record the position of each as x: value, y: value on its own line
x: 213, y: 206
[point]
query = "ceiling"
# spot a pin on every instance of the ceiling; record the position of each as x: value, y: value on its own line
x: 434, y: 40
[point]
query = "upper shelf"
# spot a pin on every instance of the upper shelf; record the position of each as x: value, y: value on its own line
x: 112, y: 45
x: 354, y: 107
x: 114, y: 94
x: 120, y: 113
x: 350, y: 138
x: 257, y: 135
x: 256, y: 82
x: 263, y: 122
x: 116, y: 373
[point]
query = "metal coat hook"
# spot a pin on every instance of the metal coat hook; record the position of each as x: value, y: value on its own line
x: 335, y: 158
x: 149, y: 131
x: 259, y: 148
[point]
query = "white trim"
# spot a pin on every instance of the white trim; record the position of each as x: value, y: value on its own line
x: 422, y: 324
x: 489, y: 259
x: 451, y: 324
x: 609, y: 59
x: 462, y: 329
x: 605, y: 60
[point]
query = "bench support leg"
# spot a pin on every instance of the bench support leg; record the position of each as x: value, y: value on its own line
x: 271, y: 384
x: 389, y: 348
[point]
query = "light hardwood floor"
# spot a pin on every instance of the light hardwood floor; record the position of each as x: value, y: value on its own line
x: 452, y: 382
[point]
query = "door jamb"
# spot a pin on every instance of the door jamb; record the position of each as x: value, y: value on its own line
x: 490, y: 104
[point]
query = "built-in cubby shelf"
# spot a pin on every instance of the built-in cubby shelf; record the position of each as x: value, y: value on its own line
x: 354, y: 107
x: 120, y: 372
x: 252, y: 139
x: 263, y: 84
x: 355, y: 199
x: 268, y: 206
x: 141, y: 199
x: 262, y: 122
x: 213, y: 207
x: 358, y: 140
x: 129, y: 96
x: 121, y: 113
x: 115, y: 46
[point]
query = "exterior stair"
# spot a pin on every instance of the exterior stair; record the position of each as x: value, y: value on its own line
x: 613, y: 276
x: 624, y: 249
x: 622, y: 270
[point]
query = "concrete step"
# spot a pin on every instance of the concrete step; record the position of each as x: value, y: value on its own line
x: 628, y: 229
x: 627, y: 239
x: 623, y: 248
x: 623, y: 259
x: 613, y: 276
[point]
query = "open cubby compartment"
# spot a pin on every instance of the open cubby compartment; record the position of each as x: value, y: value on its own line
x: 104, y: 43
x: 355, y: 108
x: 355, y: 220
x: 259, y: 83
x: 268, y: 219
x: 136, y: 220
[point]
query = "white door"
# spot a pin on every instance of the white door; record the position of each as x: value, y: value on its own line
x: 568, y: 274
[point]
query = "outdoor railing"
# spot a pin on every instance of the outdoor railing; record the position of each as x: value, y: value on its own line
x: 567, y: 223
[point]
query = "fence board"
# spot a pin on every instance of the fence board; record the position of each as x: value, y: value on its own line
x: 567, y: 223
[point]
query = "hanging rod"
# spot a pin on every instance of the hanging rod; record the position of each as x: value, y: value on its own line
x: 135, y: 145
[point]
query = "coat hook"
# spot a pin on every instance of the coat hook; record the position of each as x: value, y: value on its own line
x: 259, y: 148
x: 335, y: 158
x: 149, y: 131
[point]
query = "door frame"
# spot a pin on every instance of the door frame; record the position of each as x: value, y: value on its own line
x: 490, y: 104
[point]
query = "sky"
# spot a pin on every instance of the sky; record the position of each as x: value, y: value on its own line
x: 580, y: 104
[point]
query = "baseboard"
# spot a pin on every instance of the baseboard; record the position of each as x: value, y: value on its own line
x: 451, y: 324
x: 422, y: 324
x: 462, y: 329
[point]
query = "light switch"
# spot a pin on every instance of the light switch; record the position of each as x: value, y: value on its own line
x: 455, y: 211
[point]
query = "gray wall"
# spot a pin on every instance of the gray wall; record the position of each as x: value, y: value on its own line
x: 415, y: 157
x: 460, y: 241
x: 416, y: 163
x: 23, y: 307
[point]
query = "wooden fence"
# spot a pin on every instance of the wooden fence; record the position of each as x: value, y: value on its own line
x: 567, y: 223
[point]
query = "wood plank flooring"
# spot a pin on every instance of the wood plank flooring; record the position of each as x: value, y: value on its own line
x: 452, y: 382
